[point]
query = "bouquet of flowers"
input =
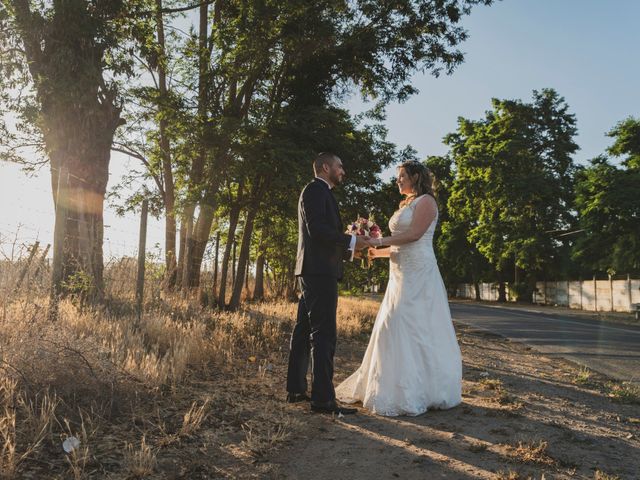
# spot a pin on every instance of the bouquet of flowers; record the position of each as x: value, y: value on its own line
x: 364, y: 226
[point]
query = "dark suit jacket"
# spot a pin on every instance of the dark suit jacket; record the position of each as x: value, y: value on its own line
x: 322, y: 243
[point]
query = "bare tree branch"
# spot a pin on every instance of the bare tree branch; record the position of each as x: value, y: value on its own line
x: 186, y: 8
x: 119, y: 147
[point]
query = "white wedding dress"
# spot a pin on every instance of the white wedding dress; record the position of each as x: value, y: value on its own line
x: 413, y: 361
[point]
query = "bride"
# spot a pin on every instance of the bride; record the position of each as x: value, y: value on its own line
x: 412, y: 363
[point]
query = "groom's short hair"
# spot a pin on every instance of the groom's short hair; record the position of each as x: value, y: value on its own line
x: 323, y: 158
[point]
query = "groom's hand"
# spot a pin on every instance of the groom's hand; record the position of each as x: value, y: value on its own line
x: 362, y: 241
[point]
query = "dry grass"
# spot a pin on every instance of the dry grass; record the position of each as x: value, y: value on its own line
x: 101, y: 364
x: 139, y: 462
x: 78, y: 457
x: 500, y: 395
x: 599, y: 475
x: 356, y: 316
x: 583, y: 377
x: 534, y: 451
x: 508, y: 475
x: 265, y: 432
x: 34, y: 418
x: 186, y: 392
x: 192, y: 420
x: 624, y: 392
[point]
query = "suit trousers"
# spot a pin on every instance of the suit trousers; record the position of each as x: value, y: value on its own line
x: 314, y: 335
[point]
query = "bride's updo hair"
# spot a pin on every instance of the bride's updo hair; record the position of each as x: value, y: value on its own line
x: 424, y: 183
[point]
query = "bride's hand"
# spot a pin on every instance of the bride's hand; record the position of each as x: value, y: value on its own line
x: 372, y: 253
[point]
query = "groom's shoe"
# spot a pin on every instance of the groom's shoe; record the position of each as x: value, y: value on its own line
x: 331, y: 407
x: 297, y: 397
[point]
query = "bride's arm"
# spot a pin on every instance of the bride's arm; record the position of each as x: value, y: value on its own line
x: 425, y: 213
x: 379, y: 252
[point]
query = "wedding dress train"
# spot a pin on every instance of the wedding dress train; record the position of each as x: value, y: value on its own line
x: 413, y: 362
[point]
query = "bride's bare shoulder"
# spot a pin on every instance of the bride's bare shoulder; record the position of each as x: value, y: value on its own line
x: 427, y: 201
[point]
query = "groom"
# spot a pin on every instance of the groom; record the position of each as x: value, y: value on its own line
x: 322, y: 246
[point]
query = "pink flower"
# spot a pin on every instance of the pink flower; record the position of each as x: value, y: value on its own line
x: 364, y: 226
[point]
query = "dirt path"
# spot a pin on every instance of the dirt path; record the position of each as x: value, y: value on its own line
x: 523, y: 416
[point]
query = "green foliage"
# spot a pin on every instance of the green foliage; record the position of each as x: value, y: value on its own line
x: 63, y: 62
x: 608, y: 203
x: 79, y: 283
x: 513, y: 185
x: 627, y: 142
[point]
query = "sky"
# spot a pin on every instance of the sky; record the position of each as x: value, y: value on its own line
x: 585, y: 49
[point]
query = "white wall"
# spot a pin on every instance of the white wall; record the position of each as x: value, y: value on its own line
x: 572, y: 294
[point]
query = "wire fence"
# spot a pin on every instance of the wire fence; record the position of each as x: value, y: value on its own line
x: 30, y: 222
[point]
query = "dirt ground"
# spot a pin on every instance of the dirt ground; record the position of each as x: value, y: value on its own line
x: 523, y: 416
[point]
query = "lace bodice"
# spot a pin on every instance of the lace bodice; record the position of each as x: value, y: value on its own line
x: 414, y: 253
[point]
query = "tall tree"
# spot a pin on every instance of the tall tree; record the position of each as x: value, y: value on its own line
x: 59, y: 67
x: 514, y: 184
x: 608, y: 203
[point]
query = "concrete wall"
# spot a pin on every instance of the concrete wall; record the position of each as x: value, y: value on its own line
x: 586, y: 295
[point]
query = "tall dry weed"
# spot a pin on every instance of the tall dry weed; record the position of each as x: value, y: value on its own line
x: 139, y: 462
x: 35, y: 417
x: 78, y: 457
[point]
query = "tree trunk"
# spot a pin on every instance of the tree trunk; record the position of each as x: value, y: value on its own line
x: 502, y: 290
x: 258, y: 290
x: 233, y: 261
x: 234, y: 216
x: 476, y: 287
x: 202, y: 231
x: 80, y: 194
x: 243, y: 259
x: 165, y: 154
x: 187, y: 247
x: 78, y: 117
x: 181, y: 253
x: 194, y: 242
x: 290, y: 285
x: 214, y: 288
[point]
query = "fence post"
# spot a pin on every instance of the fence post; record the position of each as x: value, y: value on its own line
x: 595, y: 294
x: 580, y: 283
x: 23, y: 273
x: 611, y: 291
x: 629, y: 291
x: 141, y: 258
x: 41, y: 262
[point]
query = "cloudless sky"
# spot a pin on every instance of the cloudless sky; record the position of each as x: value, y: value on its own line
x: 585, y: 49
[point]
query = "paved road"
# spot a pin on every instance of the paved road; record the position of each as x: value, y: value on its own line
x: 613, y: 350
